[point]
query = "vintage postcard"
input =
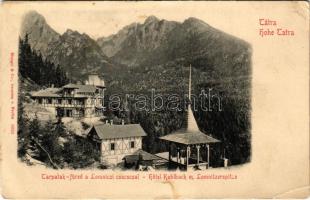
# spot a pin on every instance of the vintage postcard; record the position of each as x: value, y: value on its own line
x: 155, y: 99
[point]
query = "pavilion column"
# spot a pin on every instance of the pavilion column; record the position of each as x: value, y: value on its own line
x: 208, y: 155
x: 169, y: 152
x: 178, y: 155
x: 187, y: 155
x: 198, y: 153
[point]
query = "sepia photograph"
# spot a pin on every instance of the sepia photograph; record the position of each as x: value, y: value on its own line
x: 154, y: 99
x: 159, y: 94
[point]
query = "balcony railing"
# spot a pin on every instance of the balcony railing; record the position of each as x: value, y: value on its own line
x: 63, y: 105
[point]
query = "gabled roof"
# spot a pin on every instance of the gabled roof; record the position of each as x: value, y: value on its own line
x: 86, y: 88
x: 48, y: 92
x: 81, y: 88
x: 70, y: 85
x: 57, y: 92
x: 108, y: 131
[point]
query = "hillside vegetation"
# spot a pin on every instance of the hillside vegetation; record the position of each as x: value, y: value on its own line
x: 156, y: 55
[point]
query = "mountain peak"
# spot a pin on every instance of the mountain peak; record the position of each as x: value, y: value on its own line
x: 70, y: 32
x: 34, y: 17
x: 194, y: 21
x: 151, y: 19
x: 74, y: 33
x: 35, y: 25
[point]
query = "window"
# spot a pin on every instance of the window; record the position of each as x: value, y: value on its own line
x: 59, y: 101
x: 49, y: 101
x: 132, y: 144
x: 112, y: 146
x: 69, y: 101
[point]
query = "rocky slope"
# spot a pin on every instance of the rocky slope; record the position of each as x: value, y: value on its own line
x: 156, y: 55
x: 161, y: 41
x: 76, y: 53
x: 135, y: 41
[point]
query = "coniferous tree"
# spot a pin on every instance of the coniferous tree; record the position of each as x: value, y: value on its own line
x: 23, y: 136
x: 33, y: 66
x: 34, y: 138
x: 52, y: 153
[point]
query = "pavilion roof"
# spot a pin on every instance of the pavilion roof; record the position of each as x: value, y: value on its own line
x: 189, y: 137
x: 191, y: 134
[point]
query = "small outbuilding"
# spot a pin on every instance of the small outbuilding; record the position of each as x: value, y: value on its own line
x: 116, y: 141
x: 143, y: 159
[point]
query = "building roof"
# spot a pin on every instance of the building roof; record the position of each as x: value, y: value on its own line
x: 81, y: 88
x: 191, y: 134
x: 56, y: 92
x: 145, y: 156
x: 86, y: 88
x: 108, y: 131
x: 71, y: 85
x: 48, y: 92
x: 189, y: 137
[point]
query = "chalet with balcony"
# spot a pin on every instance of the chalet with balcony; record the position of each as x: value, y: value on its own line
x: 74, y: 100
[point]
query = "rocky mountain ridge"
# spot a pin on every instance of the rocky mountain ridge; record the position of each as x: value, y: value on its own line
x: 156, y: 55
x: 76, y: 53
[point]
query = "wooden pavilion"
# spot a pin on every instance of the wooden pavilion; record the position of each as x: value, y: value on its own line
x: 188, y: 147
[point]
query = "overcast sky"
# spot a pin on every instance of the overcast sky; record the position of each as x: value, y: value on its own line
x: 99, y: 19
x: 104, y: 18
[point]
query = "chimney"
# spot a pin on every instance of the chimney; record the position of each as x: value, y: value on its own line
x: 111, y: 121
x: 106, y: 121
x: 123, y: 122
x: 52, y: 86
